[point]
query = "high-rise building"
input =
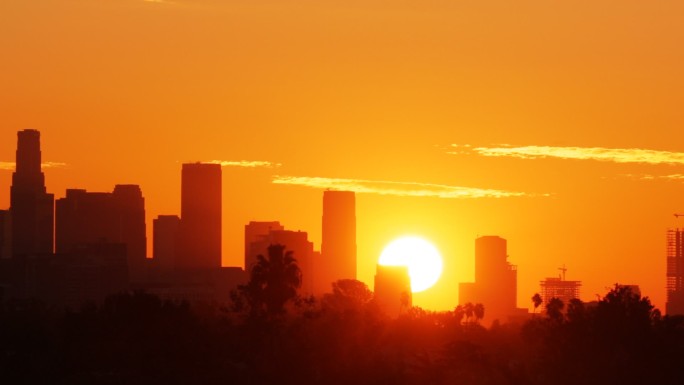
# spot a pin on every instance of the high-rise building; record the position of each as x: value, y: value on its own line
x: 495, y: 283
x: 675, y: 272
x: 31, y: 206
x: 338, y: 247
x: 392, y: 290
x: 254, y: 231
x: 200, y: 228
x: 295, y: 241
x: 5, y: 235
x: 165, y: 240
x: 87, y: 218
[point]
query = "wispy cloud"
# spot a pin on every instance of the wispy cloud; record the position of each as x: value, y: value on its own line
x: 671, y: 177
x: 246, y: 163
x: 616, y: 155
x: 409, y: 189
x: 11, y: 165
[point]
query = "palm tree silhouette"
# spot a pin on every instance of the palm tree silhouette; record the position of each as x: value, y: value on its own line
x: 274, y: 281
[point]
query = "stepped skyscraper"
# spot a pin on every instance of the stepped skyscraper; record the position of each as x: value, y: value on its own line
x: 31, y: 207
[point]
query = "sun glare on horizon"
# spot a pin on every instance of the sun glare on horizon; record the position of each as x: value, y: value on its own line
x: 422, y: 258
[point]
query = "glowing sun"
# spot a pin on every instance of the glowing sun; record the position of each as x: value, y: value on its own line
x: 422, y: 258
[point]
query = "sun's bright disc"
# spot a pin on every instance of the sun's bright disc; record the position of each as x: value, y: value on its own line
x: 422, y: 258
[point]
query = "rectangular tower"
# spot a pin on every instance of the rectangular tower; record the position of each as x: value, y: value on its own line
x: 31, y: 207
x: 338, y: 247
x: 200, y: 228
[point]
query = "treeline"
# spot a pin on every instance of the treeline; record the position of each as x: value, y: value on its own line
x: 342, y: 338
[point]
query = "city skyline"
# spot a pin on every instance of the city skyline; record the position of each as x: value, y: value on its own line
x: 558, y: 124
x: 202, y: 205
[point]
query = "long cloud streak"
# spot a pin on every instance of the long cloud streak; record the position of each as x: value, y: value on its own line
x: 409, y: 189
x: 10, y: 166
x: 246, y: 163
x: 616, y: 155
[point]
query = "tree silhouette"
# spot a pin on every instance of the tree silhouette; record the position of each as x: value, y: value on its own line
x: 478, y: 312
x: 274, y: 281
x: 554, y: 309
x: 347, y: 295
x: 536, y: 301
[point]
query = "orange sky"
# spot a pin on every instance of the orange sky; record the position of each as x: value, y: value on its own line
x: 124, y: 91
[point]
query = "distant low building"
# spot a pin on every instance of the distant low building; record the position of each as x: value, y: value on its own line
x: 392, y: 290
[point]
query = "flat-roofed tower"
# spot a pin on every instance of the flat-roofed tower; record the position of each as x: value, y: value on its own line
x: 338, y: 247
x: 200, y: 227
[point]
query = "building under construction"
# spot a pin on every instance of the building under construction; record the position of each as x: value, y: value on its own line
x: 675, y: 272
x: 559, y: 287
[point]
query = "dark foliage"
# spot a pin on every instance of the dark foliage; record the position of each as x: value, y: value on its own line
x: 136, y: 338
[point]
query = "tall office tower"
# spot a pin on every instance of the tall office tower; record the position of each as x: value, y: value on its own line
x: 165, y: 240
x: 495, y: 283
x: 675, y: 272
x: 31, y: 206
x: 295, y: 241
x: 200, y: 231
x: 338, y: 248
x: 253, y: 232
x: 392, y: 291
x: 5, y: 235
x: 87, y: 218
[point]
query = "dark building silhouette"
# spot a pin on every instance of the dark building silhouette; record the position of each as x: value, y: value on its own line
x: 254, y: 232
x: 86, y: 218
x: 200, y: 229
x: 392, y: 290
x: 338, y: 247
x: 31, y: 206
x: 495, y: 283
x: 295, y: 241
x: 89, y: 273
x: 559, y: 287
x: 5, y: 234
x: 165, y: 231
x: 675, y: 272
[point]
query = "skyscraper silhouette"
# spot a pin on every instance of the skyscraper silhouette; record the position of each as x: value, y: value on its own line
x: 86, y: 218
x: 200, y: 228
x: 338, y: 248
x: 496, y: 280
x: 31, y: 207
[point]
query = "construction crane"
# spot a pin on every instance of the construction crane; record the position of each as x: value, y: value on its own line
x: 563, y: 269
